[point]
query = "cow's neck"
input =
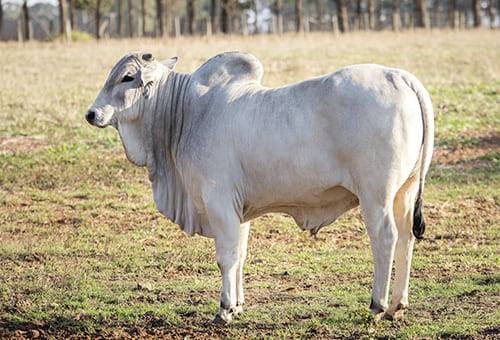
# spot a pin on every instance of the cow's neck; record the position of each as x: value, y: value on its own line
x: 164, y: 125
x: 172, y: 108
x: 165, y: 118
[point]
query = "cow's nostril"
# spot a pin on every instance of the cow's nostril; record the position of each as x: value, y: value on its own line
x: 90, y: 116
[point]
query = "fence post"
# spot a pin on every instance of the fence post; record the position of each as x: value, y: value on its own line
x: 177, y: 27
x: 19, y: 31
x: 68, y: 30
x: 208, y: 24
x: 335, y: 24
x: 244, y: 24
x: 307, y: 24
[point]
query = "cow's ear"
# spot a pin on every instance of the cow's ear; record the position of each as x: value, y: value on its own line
x: 170, y: 63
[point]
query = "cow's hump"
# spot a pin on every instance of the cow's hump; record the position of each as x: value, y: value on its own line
x: 229, y: 67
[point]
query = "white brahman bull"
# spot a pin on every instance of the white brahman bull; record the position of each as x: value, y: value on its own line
x: 221, y: 149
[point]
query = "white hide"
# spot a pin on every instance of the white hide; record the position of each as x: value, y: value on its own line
x: 222, y: 149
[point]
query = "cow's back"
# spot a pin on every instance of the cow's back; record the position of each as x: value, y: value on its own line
x: 291, y: 148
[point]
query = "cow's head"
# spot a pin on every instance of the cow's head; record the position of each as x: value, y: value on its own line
x: 131, y: 81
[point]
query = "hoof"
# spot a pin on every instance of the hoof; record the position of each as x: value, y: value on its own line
x: 397, y: 313
x: 237, y: 310
x: 225, y: 316
x: 379, y: 316
x: 377, y: 310
x: 219, y: 321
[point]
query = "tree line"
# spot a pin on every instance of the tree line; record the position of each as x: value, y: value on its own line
x: 160, y: 18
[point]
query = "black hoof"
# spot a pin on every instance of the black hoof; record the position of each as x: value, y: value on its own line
x: 376, y: 308
x: 219, y: 321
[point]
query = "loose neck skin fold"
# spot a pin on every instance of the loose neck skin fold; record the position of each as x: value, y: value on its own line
x: 164, y: 123
x: 164, y: 118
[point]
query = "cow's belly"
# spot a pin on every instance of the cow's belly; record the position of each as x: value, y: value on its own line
x: 311, y: 212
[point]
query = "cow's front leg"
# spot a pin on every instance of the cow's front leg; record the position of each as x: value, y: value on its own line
x: 226, y: 247
x: 242, y: 255
x: 225, y: 225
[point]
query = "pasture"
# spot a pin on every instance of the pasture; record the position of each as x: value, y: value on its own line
x: 83, y: 250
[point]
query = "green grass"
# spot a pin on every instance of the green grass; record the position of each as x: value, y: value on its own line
x: 83, y: 250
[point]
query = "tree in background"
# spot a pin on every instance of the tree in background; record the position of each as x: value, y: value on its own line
x: 143, y: 17
x: 94, y: 7
x: 190, y: 17
x: 476, y: 10
x: 167, y: 16
x: 452, y: 8
x: 491, y: 12
x: 130, y: 19
x: 26, y: 21
x: 159, y: 18
x: 422, y: 14
x: 298, y: 16
x: 318, y: 6
x: 396, y: 15
x: 214, y: 18
x: 71, y: 14
x: 278, y: 10
x: 372, y: 22
x: 1, y: 18
x: 226, y: 15
x: 63, y: 18
x: 98, y: 19
x: 343, y: 15
x: 358, y: 18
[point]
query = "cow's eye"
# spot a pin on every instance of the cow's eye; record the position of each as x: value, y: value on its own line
x: 127, y: 78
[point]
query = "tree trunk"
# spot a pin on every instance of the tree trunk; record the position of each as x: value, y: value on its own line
x: 423, y: 14
x: 452, y: 8
x: 1, y: 19
x: 396, y: 16
x: 225, y: 19
x: 26, y: 21
x: 254, y: 8
x: 491, y: 13
x: 476, y: 9
x: 62, y: 16
x: 298, y: 16
x: 214, y: 18
x: 372, y: 21
x: 159, y: 19
x: 120, y: 18
x: 71, y: 14
x: 167, y: 17
x: 319, y: 11
x: 130, y: 19
x: 190, y: 16
x: 143, y: 17
x: 343, y: 15
x: 279, y: 17
x: 435, y: 22
x: 359, y: 15
x: 98, y: 19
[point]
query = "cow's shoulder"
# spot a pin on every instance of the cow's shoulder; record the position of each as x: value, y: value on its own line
x: 228, y: 67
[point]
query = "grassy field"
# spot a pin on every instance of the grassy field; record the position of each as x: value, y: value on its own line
x: 84, y: 252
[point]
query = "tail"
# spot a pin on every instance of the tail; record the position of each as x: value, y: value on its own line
x: 426, y: 151
x: 418, y: 217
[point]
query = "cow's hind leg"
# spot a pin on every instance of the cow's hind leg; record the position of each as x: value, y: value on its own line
x: 242, y: 255
x: 379, y: 220
x: 403, y: 214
